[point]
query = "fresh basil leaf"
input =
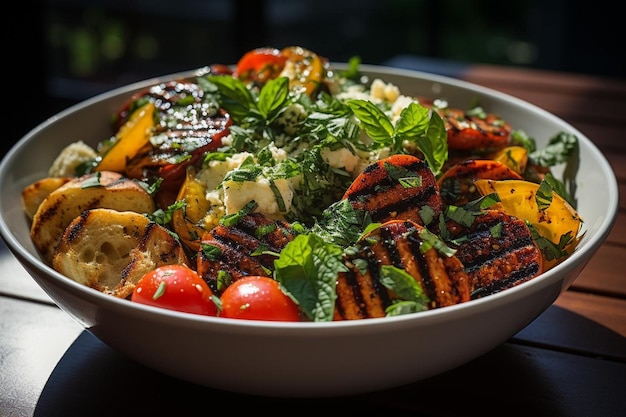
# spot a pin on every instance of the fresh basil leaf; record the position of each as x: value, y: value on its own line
x: 375, y: 122
x: 434, y: 143
x: 273, y: 97
x: 413, y: 121
x: 236, y: 98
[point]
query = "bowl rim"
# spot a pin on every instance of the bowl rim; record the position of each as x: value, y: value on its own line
x: 587, y: 247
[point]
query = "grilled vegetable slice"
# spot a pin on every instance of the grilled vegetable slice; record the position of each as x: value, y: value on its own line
x: 130, y: 138
x: 456, y: 185
x: 549, y: 214
x: 187, y: 128
x: 515, y: 157
x: 248, y: 247
x: 304, y: 68
x: 187, y: 222
x: 260, y: 65
x: 397, y: 187
x: 498, y: 252
x: 475, y: 131
x: 400, y: 244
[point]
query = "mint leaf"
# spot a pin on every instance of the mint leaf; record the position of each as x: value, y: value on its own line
x: 403, y: 285
x: 307, y: 269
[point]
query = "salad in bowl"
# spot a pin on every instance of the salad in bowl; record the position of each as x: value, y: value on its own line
x: 287, y: 188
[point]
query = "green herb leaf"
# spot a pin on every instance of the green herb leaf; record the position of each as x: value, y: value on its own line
x: 431, y: 137
x: 92, y: 181
x: 544, y: 195
x: 236, y: 98
x: 273, y: 96
x: 403, y: 285
x: 375, y: 122
x: 307, y: 269
x: 160, y: 291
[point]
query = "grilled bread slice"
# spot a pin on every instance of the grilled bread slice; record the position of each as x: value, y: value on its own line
x: 360, y: 293
x: 397, y: 187
x: 244, y: 248
x: 111, y: 250
x: 99, y: 190
x: 34, y: 194
x: 498, y: 252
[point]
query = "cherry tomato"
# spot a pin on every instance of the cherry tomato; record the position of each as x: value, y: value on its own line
x: 260, y: 65
x: 258, y: 298
x: 175, y: 287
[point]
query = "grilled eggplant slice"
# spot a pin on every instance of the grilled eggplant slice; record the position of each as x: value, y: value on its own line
x: 397, y: 187
x: 475, y: 131
x: 185, y: 131
x: 456, y: 185
x: 498, y: 252
x: 244, y: 248
x: 360, y: 293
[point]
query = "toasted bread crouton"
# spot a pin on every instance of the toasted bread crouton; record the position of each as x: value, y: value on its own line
x: 157, y: 247
x: 111, y: 250
x: 99, y: 190
x: 34, y: 194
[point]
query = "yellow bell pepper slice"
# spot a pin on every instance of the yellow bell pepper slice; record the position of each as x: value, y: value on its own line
x: 515, y: 157
x: 130, y: 138
x: 519, y: 198
x: 188, y: 222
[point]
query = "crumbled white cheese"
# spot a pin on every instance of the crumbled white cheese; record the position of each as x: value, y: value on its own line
x: 289, y: 119
x: 341, y: 158
x: 381, y: 91
x: 70, y: 158
x: 227, y: 140
x: 216, y: 209
x: 237, y: 194
x: 400, y: 104
x: 278, y: 154
x: 232, y: 196
x: 215, y: 171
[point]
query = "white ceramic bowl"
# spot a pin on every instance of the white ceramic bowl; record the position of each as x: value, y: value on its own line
x: 305, y: 359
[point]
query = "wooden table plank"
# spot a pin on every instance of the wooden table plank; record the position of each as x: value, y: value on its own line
x: 604, y: 274
x: 617, y: 160
x: 618, y: 232
x: 609, y: 312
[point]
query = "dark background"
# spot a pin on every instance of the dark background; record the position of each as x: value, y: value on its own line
x: 59, y: 52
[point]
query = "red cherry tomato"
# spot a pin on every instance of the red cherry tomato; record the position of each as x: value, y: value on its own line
x: 258, y: 298
x: 260, y: 65
x: 175, y: 287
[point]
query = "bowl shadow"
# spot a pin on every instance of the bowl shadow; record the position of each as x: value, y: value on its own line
x: 519, y: 377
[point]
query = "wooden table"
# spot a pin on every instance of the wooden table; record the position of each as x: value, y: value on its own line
x: 571, y: 361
